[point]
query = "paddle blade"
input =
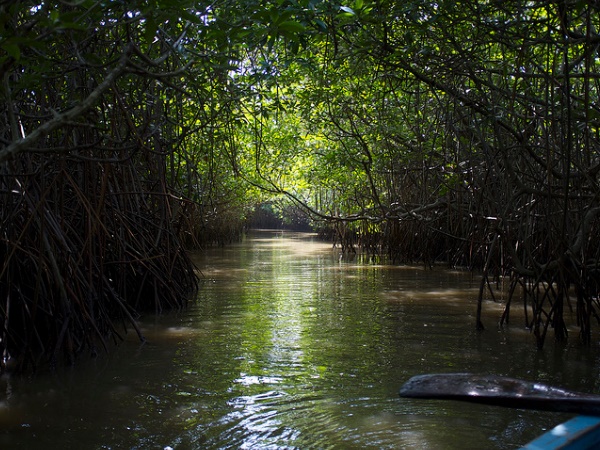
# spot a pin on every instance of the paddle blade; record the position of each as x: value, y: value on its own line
x: 500, y: 391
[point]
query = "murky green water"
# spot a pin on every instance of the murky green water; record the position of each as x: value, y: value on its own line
x: 290, y: 347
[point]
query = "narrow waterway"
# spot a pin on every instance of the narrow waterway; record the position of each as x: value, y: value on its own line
x: 292, y: 347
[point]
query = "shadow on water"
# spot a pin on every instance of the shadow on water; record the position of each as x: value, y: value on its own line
x: 290, y: 346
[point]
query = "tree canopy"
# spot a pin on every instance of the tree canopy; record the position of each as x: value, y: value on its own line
x: 464, y: 132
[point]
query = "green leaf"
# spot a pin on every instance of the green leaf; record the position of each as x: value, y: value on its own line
x: 151, y: 28
x: 72, y: 26
x: 348, y: 10
x: 12, y: 49
x: 322, y: 25
x: 193, y: 18
x: 284, y: 16
x: 292, y: 26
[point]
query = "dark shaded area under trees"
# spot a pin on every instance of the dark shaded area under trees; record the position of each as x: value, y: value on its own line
x: 90, y: 222
x: 463, y: 132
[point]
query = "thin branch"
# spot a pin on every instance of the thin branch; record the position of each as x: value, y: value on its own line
x: 28, y: 141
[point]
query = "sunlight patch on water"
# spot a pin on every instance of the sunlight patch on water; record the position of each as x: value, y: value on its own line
x: 293, y: 244
x: 248, y: 380
x: 446, y: 299
x: 289, y: 347
x: 225, y: 273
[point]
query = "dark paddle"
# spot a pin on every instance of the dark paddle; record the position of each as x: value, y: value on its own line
x: 500, y: 391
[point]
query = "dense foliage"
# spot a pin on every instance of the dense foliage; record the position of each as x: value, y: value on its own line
x: 464, y: 132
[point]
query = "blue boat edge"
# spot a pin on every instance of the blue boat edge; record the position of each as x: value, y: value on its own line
x: 579, y: 433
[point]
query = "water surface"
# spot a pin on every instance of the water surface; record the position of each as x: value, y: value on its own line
x: 290, y: 346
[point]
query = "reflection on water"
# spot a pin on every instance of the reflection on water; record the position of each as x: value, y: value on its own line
x: 289, y: 347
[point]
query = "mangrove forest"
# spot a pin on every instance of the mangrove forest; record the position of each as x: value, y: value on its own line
x: 463, y: 133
